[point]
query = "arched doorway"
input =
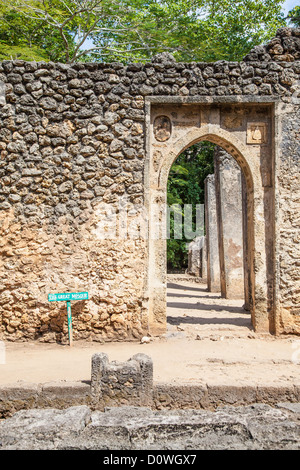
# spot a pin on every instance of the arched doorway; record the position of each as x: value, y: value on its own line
x: 207, y: 268
x: 238, y: 130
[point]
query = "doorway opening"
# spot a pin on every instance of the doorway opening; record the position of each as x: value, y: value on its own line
x: 207, y: 249
x: 244, y: 129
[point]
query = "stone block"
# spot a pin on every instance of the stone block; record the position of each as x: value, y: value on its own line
x: 62, y: 393
x: 129, y: 382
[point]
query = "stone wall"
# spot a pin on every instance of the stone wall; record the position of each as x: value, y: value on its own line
x: 73, y: 142
x: 71, y: 139
x: 288, y: 293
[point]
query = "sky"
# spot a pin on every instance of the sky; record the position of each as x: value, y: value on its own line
x: 288, y: 5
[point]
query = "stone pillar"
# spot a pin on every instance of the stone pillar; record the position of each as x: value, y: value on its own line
x: 203, y: 260
x: 245, y: 246
x: 212, y: 247
x: 194, y: 258
x: 228, y: 181
x: 196, y: 263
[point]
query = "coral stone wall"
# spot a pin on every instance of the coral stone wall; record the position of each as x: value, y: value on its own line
x: 289, y: 219
x: 73, y: 143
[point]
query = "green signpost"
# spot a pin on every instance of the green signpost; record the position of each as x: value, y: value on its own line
x: 67, y: 297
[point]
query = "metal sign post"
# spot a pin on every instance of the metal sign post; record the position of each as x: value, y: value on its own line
x: 70, y: 329
x: 68, y: 297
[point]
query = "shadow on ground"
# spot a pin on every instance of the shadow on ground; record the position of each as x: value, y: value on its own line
x: 197, y: 306
x: 245, y: 322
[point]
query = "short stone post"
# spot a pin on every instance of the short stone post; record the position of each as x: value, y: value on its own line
x: 146, y: 371
x: 99, y: 366
x: 122, y: 383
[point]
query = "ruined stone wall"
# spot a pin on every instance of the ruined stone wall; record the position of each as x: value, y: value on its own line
x: 285, y: 47
x: 72, y: 140
x: 122, y: 382
x: 288, y: 321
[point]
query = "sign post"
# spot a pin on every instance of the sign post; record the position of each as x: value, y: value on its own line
x: 68, y: 297
x: 70, y: 329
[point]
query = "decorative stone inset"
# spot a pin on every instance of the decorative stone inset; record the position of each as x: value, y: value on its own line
x: 257, y: 133
x: 162, y: 128
x: 233, y: 122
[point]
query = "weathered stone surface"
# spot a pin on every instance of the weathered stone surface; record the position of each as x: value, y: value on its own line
x: 257, y: 427
x: 121, y: 383
x: 197, y: 257
x: 71, y: 147
x: 229, y: 200
x: 211, y: 224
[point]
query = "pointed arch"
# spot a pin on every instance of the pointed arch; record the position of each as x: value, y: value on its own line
x: 218, y: 136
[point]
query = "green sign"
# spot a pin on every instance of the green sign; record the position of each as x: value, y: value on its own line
x: 68, y: 296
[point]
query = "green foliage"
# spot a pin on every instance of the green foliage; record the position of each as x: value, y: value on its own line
x: 135, y: 30
x: 294, y: 16
x: 8, y: 52
x: 186, y: 186
x: 29, y: 37
x: 187, y: 174
x: 192, y: 30
x: 232, y: 29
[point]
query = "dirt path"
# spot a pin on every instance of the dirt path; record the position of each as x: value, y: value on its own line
x: 209, y: 340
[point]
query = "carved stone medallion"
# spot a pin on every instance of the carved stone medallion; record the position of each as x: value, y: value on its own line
x: 162, y: 128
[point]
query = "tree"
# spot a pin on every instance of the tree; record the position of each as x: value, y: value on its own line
x: 232, y: 29
x: 195, y: 30
x: 27, y: 37
x: 186, y: 186
x: 294, y: 16
x: 131, y: 30
x: 61, y: 28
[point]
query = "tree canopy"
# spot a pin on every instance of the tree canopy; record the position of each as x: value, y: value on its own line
x: 294, y: 16
x: 135, y: 30
x: 186, y: 186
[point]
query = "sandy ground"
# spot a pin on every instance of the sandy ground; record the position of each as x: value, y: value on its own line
x: 209, y: 340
